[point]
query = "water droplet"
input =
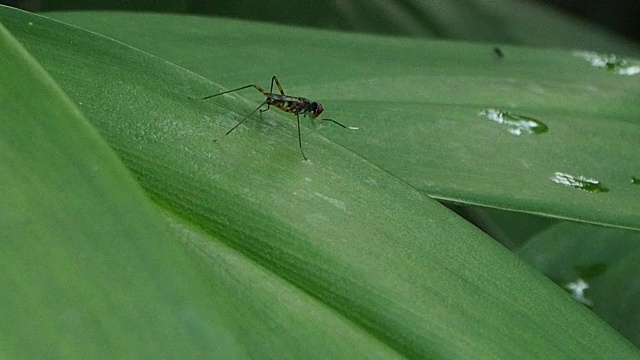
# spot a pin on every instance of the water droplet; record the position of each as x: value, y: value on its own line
x: 579, y: 182
x: 578, y: 290
x: 611, y: 62
x: 517, y: 124
x: 635, y: 180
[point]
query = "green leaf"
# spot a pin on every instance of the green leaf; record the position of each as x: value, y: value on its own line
x: 332, y: 257
x: 418, y: 105
x: 91, y: 268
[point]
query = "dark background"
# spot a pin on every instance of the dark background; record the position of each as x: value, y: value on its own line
x: 620, y: 16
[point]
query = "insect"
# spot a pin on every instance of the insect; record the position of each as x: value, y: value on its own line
x: 291, y: 104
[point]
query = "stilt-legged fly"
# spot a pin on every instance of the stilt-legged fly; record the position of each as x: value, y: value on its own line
x: 291, y: 104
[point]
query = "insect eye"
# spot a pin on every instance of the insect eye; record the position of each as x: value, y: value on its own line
x: 318, y: 108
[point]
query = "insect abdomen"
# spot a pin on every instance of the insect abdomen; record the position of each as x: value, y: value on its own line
x: 289, y: 104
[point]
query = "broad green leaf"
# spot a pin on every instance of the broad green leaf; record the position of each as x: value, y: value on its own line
x: 92, y: 269
x: 418, y: 105
x: 399, y: 272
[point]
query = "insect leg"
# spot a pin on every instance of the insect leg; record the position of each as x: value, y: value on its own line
x: 241, y: 121
x: 344, y: 126
x: 230, y: 91
x: 267, y: 101
x: 299, y: 137
x: 263, y: 110
x: 274, y: 78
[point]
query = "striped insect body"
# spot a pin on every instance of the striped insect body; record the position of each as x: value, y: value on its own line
x: 291, y: 104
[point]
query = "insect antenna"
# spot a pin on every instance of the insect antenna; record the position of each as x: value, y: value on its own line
x: 344, y: 126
